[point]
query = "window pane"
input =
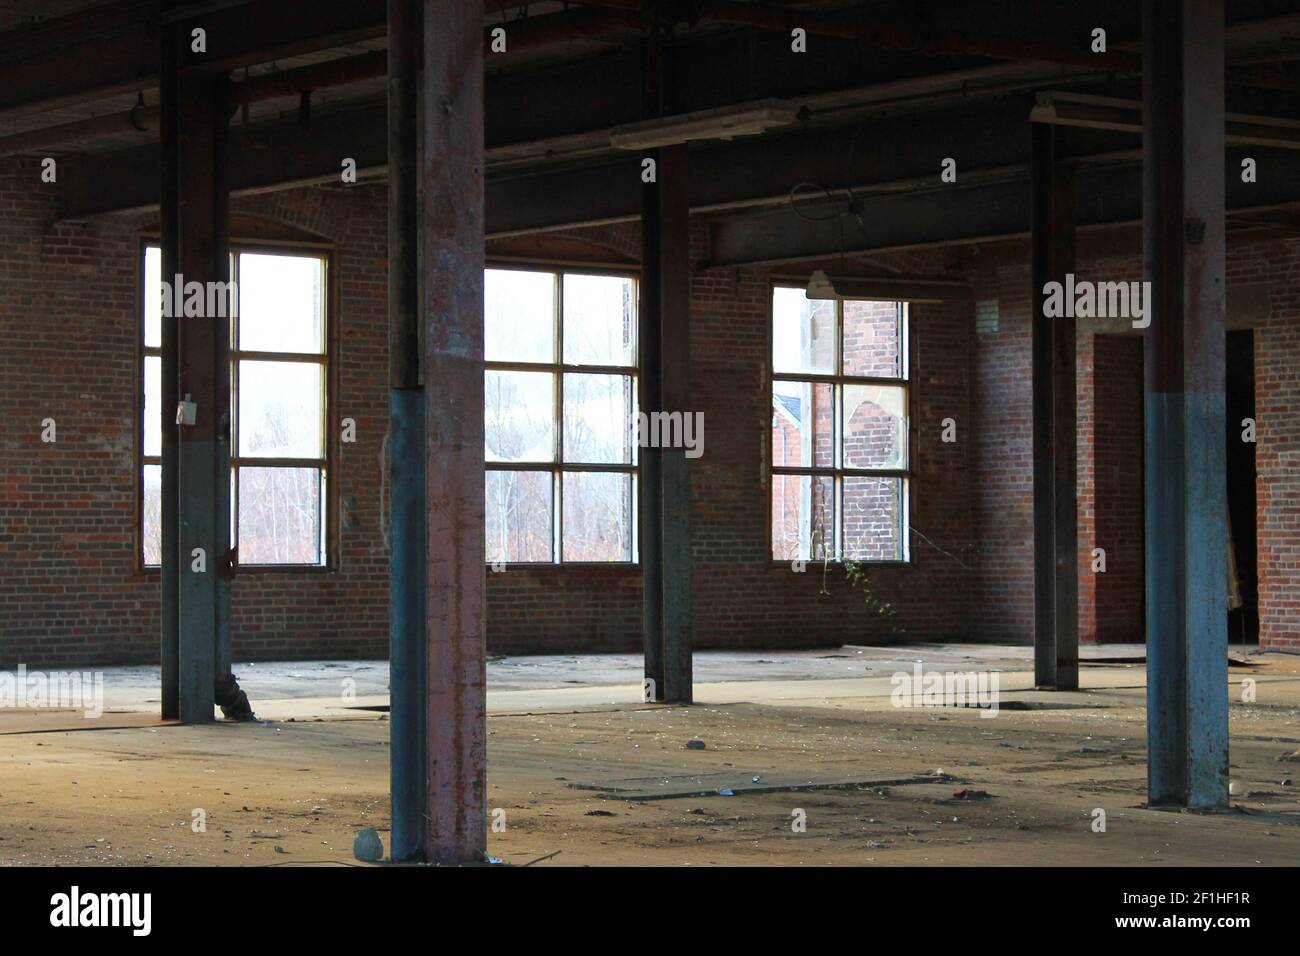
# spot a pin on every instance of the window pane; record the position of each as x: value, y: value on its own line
x: 874, y: 519
x: 153, y: 297
x: 152, y: 405
x: 599, y: 320
x: 151, y: 515
x: 518, y: 316
x: 281, y: 303
x: 280, y: 515
x: 873, y: 345
x: 803, y: 332
x: 802, y: 425
x: 518, y: 515
x: 597, y: 516
x: 519, y: 416
x: 598, y: 413
x: 803, y: 517
x: 875, y: 426
x: 281, y: 410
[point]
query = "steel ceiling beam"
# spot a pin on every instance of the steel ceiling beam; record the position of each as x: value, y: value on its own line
x: 751, y: 170
x: 1109, y: 195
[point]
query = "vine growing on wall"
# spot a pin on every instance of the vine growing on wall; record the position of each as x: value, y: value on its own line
x: 855, y: 572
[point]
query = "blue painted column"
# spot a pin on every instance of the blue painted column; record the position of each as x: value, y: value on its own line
x: 407, y: 658
x: 1186, y: 481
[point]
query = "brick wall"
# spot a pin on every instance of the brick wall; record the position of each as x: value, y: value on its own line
x: 1110, y: 512
x: 68, y: 588
x: 1277, y: 457
x: 1109, y: 454
x: 552, y: 609
x: 1110, y: 451
x: 291, y: 614
x: 70, y: 593
x: 741, y: 597
x: 1001, y: 434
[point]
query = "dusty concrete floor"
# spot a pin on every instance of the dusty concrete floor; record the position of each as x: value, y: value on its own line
x: 579, y: 767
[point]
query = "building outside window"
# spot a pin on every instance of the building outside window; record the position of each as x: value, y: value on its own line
x: 839, y: 435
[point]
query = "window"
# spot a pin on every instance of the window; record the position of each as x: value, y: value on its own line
x: 279, y: 366
x: 559, y: 407
x: 840, y: 434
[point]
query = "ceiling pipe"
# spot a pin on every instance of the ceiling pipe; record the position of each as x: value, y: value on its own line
x: 887, y: 34
x: 565, y: 26
x: 140, y: 119
x: 306, y: 79
x: 521, y: 36
x: 144, y: 119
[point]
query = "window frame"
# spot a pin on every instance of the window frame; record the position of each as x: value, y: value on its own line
x: 327, y: 464
x: 837, y: 471
x: 558, y: 368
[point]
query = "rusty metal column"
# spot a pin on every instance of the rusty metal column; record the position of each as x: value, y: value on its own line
x: 1186, y: 483
x: 1056, y: 581
x: 407, y: 659
x: 452, y: 228
x: 196, y: 250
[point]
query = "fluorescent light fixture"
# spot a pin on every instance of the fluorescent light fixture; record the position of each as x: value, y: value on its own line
x: 891, y: 288
x: 1105, y: 112
x: 726, y: 123
x: 1092, y: 112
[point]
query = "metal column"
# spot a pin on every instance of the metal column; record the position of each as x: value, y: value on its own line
x: 1186, y: 484
x: 452, y: 229
x: 665, y: 497
x: 196, y: 458
x: 664, y: 489
x: 169, y: 229
x: 650, y: 480
x: 675, y: 356
x: 1056, y: 538
x: 407, y: 659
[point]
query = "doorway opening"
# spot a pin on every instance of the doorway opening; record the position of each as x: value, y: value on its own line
x: 1243, y: 580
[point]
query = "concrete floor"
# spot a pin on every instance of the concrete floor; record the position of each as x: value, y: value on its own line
x: 310, y: 688
x: 577, y: 764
